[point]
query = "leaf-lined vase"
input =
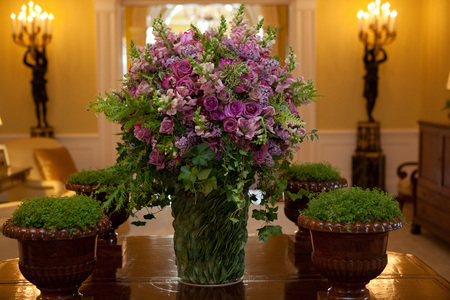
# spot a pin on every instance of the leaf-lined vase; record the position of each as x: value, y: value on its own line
x: 209, y: 247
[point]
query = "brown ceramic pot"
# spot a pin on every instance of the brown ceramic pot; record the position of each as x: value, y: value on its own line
x: 117, y: 217
x: 350, y: 255
x: 291, y: 208
x: 57, y: 261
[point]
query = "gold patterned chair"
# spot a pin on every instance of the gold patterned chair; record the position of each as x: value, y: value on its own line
x: 50, y: 163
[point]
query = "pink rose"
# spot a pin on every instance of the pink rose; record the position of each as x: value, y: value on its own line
x: 255, y: 94
x: 167, y: 126
x: 143, y: 134
x: 156, y: 158
x: 261, y: 155
x: 181, y: 68
x: 224, y: 95
x: 185, y: 82
x: 269, y: 111
x: 230, y: 125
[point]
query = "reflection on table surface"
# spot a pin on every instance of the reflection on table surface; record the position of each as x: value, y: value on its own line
x: 144, y: 268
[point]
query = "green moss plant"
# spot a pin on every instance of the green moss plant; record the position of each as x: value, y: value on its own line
x: 353, y: 205
x: 58, y: 212
x: 310, y: 172
x: 95, y: 177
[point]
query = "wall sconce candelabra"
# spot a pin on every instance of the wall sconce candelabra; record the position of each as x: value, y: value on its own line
x: 377, y: 28
x: 32, y: 29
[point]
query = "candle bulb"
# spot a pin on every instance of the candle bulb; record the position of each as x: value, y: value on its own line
x: 50, y: 18
x: 44, y: 22
x: 29, y: 29
x: 38, y: 10
x: 360, y: 16
x: 33, y: 22
x: 13, y: 20
x: 394, y: 20
x: 20, y: 21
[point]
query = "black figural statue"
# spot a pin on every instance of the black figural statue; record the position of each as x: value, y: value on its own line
x: 38, y: 83
x: 371, y: 63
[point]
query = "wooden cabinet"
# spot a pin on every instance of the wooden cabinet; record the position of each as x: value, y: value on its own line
x: 432, y: 209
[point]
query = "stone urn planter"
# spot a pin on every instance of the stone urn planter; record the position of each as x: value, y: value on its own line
x: 350, y: 254
x: 89, y: 183
x: 57, y: 260
x: 306, y: 180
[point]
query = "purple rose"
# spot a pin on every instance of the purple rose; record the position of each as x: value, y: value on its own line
x: 233, y: 109
x: 167, y: 126
x: 243, y: 85
x: 230, y: 125
x: 185, y: 82
x: 251, y: 109
x: 255, y: 94
x: 224, y: 95
x: 269, y: 111
x: 143, y: 134
x: 261, y: 155
x: 187, y: 37
x: 217, y: 115
x: 181, y: 68
x: 156, y: 158
x: 211, y: 103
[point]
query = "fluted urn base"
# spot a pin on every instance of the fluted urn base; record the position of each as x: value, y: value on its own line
x: 349, y: 256
x: 56, y: 261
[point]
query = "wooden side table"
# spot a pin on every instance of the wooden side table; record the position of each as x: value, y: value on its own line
x: 12, y: 177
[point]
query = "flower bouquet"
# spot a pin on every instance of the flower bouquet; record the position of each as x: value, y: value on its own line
x: 205, y: 116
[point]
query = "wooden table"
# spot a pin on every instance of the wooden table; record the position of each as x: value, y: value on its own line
x: 12, y: 177
x: 143, y: 268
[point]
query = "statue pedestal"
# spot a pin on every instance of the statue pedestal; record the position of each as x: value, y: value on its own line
x: 368, y: 162
x: 42, y: 132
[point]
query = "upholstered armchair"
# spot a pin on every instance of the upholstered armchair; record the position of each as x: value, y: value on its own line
x: 50, y: 163
x: 407, y: 184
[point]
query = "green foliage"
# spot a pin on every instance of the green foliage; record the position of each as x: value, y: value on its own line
x: 353, y: 205
x: 95, y: 177
x: 447, y: 105
x: 58, y: 212
x: 310, y: 172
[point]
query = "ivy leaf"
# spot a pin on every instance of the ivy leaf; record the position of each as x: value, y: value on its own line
x: 203, y: 174
x: 202, y: 154
x: 138, y: 223
x: 149, y: 217
x: 265, y: 232
x: 210, y: 185
x: 299, y: 195
x: 259, y: 214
